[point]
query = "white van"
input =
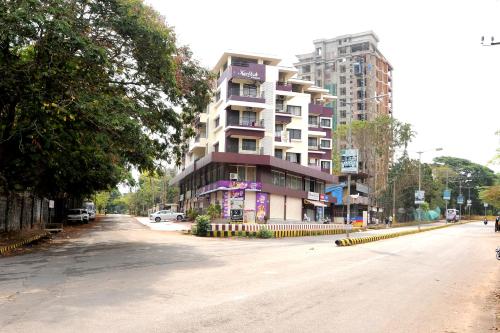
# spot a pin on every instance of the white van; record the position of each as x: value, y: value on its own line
x: 452, y: 215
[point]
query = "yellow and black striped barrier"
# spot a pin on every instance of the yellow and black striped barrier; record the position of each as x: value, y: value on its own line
x: 7, y: 248
x: 368, y: 239
x: 276, y: 233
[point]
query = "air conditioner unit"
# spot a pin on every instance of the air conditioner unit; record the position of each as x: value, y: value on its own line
x: 233, y: 176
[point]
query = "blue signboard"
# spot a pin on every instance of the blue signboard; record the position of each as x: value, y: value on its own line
x: 447, y: 195
x: 460, y: 199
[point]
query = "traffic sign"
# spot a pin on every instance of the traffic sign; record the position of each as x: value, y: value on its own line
x: 460, y: 199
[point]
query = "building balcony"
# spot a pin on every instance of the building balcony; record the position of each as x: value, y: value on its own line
x: 319, y: 109
x: 243, y: 95
x: 245, y: 129
x: 283, y: 86
x: 289, y: 110
x: 255, y: 72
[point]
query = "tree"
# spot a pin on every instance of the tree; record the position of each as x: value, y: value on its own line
x: 101, y: 200
x: 90, y: 88
x: 479, y: 176
x: 491, y: 195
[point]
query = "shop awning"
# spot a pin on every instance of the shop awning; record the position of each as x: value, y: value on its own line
x: 315, y: 203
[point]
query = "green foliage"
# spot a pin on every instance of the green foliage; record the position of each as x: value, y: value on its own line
x: 192, y: 214
x: 202, y: 225
x: 214, y: 211
x: 152, y: 189
x: 89, y: 89
x: 491, y: 195
x: 265, y: 233
x: 101, y: 200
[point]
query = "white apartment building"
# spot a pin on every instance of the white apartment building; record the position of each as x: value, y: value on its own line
x: 263, y: 148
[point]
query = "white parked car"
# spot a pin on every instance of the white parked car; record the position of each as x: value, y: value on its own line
x: 164, y: 215
x: 77, y: 215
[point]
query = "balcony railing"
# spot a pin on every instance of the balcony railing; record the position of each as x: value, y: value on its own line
x: 281, y: 136
x: 283, y: 86
x: 316, y: 147
x: 246, y: 123
x: 293, y: 110
x: 246, y: 95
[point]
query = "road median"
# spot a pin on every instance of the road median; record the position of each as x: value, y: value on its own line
x: 374, y: 238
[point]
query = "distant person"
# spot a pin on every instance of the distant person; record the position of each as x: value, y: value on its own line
x: 390, y: 220
x: 497, y: 224
x: 306, y: 218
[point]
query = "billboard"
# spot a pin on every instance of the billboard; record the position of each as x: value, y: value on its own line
x: 447, y: 195
x: 419, y: 197
x: 349, y: 161
x: 261, y: 206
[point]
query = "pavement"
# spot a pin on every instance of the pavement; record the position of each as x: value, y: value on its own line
x: 120, y: 276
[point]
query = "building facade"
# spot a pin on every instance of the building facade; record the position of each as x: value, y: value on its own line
x: 353, y: 68
x: 262, y: 150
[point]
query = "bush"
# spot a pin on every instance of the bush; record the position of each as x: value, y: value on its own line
x: 192, y: 214
x: 265, y: 233
x: 214, y: 211
x: 202, y: 225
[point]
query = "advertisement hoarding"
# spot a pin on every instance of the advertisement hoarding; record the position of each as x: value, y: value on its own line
x: 349, y: 161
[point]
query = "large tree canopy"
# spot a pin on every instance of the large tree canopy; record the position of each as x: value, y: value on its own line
x: 90, y: 88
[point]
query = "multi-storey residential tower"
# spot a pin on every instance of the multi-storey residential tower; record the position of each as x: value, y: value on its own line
x: 264, y: 144
x: 353, y: 68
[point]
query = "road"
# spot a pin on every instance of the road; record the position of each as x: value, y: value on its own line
x: 122, y: 277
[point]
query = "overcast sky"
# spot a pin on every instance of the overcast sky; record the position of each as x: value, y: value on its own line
x: 445, y: 83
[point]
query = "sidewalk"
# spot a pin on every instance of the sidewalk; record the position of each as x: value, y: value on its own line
x: 163, y: 226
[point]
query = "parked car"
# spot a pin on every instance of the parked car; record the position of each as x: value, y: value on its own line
x: 452, y: 215
x: 164, y: 215
x: 78, y: 215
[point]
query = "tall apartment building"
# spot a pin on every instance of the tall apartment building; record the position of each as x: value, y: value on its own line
x: 263, y: 148
x: 353, y: 68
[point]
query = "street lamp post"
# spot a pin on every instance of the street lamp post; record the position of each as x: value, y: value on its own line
x: 420, y: 181
x: 349, y: 146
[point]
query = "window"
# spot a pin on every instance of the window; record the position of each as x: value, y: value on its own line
x: 307, y: 78
x: 249, y: 90
x: 342, y: 123
x: 241, y: 173
x: 216, y: 121
x: 343, y: 114
x: 306, y: 69
x: 318, y: 51
x: 217, y: 96
x: 313, y: 121
x: 361, y: 94
x: 251, y: 174
x: 319, y: 83
x: 326, y: 122
x: 294, y: 182
x: 312, y: 143
x: 342, y: 91
x: 326, y: 144
x: 360, y: 82
x: 318, y: 73
x: 280, y: 105
x: 342, y: 68
x: 249, y: 144
x: 294, y: 109
x: 293, y: 157
x: 278, y: 153
x: 361, y: 106
x: 278, y: 128
x: 216, y: 147
x: 342, y: 50
x: 294, y: 134
x: 342, y: 80
x: 320, y: 186
x: 249, y: 118
x: 278, y: 178
x: 342, y: 102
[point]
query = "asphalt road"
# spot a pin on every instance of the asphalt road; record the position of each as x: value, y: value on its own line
x: 123, y: 277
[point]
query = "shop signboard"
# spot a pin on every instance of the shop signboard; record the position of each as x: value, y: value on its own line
x: 313, y: 196
x: 225, y: 204
x: 229, y: 185
x: 261, y: 206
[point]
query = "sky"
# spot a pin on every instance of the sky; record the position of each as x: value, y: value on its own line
x: 445, y: 83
